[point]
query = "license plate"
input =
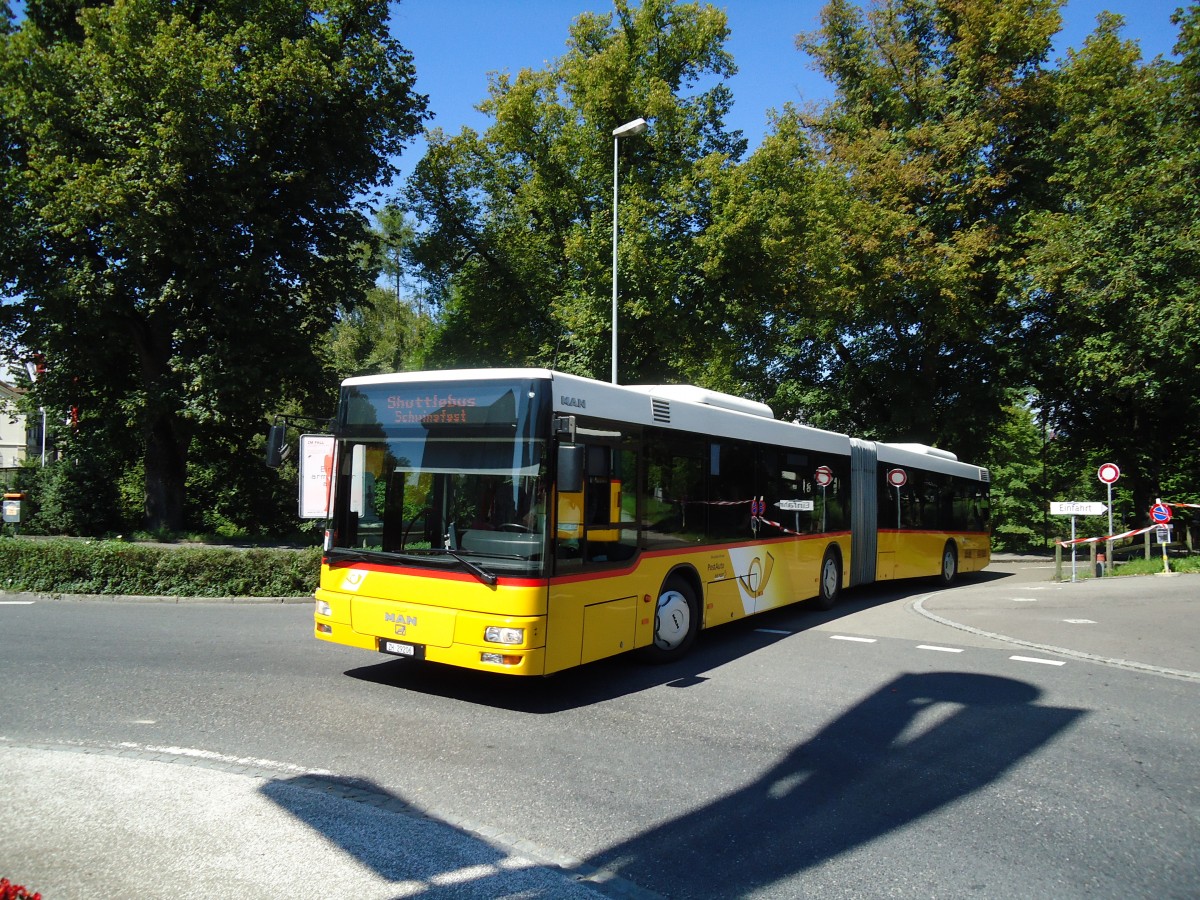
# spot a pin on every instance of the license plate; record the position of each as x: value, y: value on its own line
x: 400, y: 648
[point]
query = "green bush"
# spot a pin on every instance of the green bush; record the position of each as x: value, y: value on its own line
x: 114, y: 567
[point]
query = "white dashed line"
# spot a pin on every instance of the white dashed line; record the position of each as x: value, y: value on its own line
x: 1024, y: 599
x: 940, y: 649
x: 1034, y: 659
x: 1079, y: 621
x: 16, y: 603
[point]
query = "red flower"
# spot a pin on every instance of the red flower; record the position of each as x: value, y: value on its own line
x: 10, y: 891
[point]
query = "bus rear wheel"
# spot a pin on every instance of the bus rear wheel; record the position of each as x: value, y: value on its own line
x: 829, y: 581
x: 676, y: 621
x: 949, y: 570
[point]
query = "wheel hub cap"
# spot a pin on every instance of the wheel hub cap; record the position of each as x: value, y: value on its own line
x: 672, y: 620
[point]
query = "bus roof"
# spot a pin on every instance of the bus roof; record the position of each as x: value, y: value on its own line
x: 687, y: 408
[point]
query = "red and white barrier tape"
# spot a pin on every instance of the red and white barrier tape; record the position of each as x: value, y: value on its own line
x: 1127, y: 534
x: 1109, y: 537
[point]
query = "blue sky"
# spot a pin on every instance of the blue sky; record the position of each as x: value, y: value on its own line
x: 455, y: 43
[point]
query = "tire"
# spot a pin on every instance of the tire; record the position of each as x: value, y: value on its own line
x: 829, y: 580
x: 676, y: 621
x: 949, y: 572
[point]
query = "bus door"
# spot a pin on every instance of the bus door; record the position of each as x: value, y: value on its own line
x: 592, y: 616
x: 589, y: 507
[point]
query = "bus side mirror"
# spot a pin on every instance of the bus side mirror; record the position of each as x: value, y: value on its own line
x: 276, y: 445
x: 570, y: 468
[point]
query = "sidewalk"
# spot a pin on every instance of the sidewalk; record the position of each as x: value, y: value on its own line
x: 77, y: 823
x: 1147, y: 623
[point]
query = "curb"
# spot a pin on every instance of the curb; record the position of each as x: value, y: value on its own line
x: 34, y: 596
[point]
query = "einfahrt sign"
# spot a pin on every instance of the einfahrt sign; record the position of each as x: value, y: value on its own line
x: 1077, y: 509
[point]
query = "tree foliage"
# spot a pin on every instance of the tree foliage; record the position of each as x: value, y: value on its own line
x: 518, y: 221
x: 184, y: 180
x: 969, y: 245
x: 1111, y: 280
x: 387, y: 331
x: 936, y: 112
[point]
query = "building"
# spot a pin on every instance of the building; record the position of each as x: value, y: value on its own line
x: 13, y: 434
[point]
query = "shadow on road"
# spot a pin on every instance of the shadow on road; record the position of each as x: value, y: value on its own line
x: 915, y: 745
x: 912, y: 747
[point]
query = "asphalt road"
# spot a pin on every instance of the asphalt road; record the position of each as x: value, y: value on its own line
x: 1008, y: 737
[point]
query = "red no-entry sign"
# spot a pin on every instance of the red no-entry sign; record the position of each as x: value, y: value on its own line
x: 1109, y: 473
x: 897, y: 478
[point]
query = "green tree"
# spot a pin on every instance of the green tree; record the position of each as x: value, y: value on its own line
x: 933, y: 134
x: 773, y: 255
x: 387, y: 331
x: 1111, y: 279
x: 184, y: 179
x: 1018, y: 469
x: 516, y: 237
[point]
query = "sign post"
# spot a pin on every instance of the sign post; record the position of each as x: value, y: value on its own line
x: 1108, y: 474
x: 12, y: 510
x: 1160, y: 513
x: 897, y: 478
x: 1073, y: 509
x: 823, y: 477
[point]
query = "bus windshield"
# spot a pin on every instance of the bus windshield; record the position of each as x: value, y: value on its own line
x: 444, y: 476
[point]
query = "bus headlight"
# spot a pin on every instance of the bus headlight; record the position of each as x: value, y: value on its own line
x: 323, y: 608
x: 495, y: 634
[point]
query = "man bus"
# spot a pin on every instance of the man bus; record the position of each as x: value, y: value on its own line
x: 526, y: 521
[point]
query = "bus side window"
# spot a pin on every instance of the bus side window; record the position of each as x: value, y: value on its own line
x: 674, y: 496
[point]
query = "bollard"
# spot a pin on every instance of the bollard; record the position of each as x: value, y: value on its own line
x: 1101, y: 559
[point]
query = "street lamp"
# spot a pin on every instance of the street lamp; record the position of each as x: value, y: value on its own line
x: 629, y: 129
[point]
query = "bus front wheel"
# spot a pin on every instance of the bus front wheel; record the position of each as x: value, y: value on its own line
x: 676, y: 621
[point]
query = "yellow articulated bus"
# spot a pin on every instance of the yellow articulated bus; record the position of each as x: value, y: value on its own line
x: 526, y: 521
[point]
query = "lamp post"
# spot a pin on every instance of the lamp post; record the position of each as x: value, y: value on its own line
x: 629, y: 129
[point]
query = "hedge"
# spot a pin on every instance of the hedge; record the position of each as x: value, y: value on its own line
x: 115, y: 567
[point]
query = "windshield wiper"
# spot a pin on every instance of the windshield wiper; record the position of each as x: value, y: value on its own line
x: 478, y: 571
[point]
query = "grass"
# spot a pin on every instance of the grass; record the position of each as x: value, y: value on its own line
x: 1154, y: 565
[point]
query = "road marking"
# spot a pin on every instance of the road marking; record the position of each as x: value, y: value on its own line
x: 1079, y: 621
x: 940, y: 649
x: 771, y: 631
x: 221, y: 758
x: 919, y: 606
x: 861, y: 640
x: 1024, y: 599
x: 1034, y: 659
x: 16, y: 603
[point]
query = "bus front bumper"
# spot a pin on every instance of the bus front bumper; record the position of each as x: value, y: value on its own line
x: 433, y: 634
